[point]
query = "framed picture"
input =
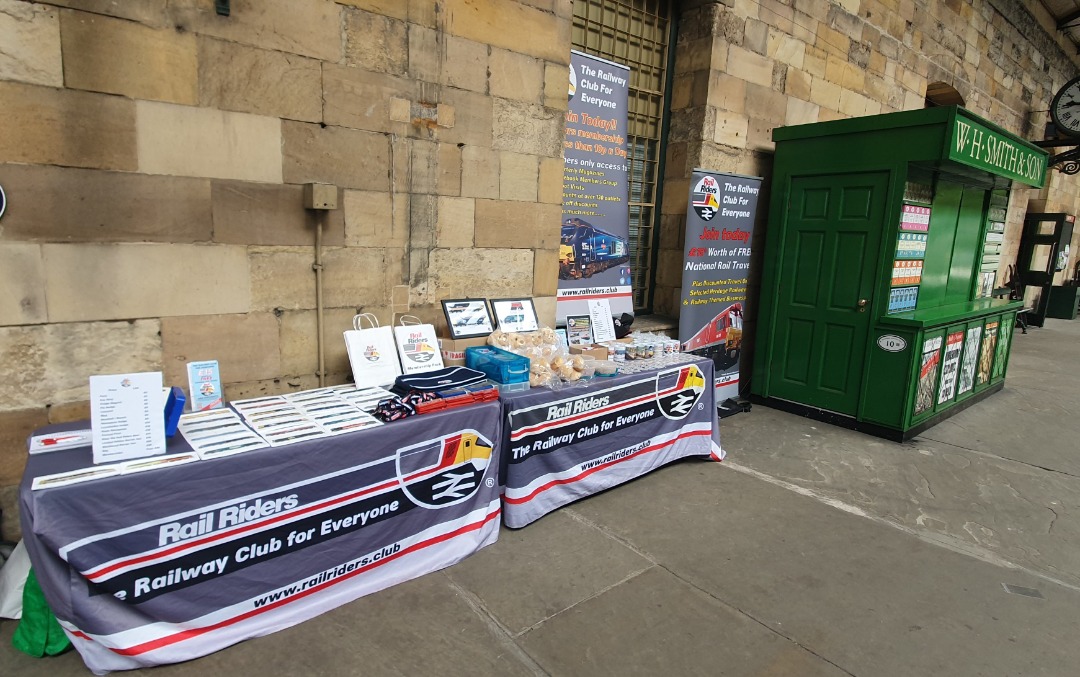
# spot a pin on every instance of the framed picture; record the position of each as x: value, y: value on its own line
x: 515, y: 314
x: 467, y: 317
x: 579, y: 330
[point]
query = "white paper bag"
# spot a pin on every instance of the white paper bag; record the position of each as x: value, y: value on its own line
x: 372, y: 353
x: 417, y: 346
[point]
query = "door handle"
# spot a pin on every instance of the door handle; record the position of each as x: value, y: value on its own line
x: 862, y: 305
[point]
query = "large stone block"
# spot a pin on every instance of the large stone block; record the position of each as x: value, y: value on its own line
x: 425, y: 54
x: 545, y: 272
x: 52, y: 364
x: 188, y: 141
x: 110, y: 282
x: 545, y: 310
x: 516, y: 76
x: 492, y: 273
x: 479, y: 172
x: 473, y: 118
x: 22, y: 277
x: 307, y: 27
x: 747, y: 65
x: 67, y: 127
x: 149, y: 12
x: 376, y: 42
x: 121, y: 57
x: 800, y: 112
x: 726, y: 92
x: 466, y: 64
x: 15, y: 428
x: 550, y: 185
x: 30, y: 34
x: 344, y: 157
x: 510, y: 25
x: 393, y: 8
x: 270, y: 214
x: 449, y: 182
x: 350, y: 280
x: 518, y: 176
x: 281, y: 277
x: 299, y: 339
x: 57, y: 204
x: 454, y: 227
x: 245, y: 346
x: 825, y: 94
x: 731, y: 129
x: 416, y: 166
x: 556, y: 86
x: 270, y: 386
x: 361, y: 99
x: 376, y: 219
x: 764, y: 103
x: 527, y: 129
x: 797, y: 84
x: 507, y: 224
x: 238, y: 78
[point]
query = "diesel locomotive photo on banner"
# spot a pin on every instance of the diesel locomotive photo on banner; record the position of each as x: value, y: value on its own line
x: 594, y: 244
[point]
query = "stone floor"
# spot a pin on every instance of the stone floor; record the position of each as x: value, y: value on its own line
x: 811, y: 551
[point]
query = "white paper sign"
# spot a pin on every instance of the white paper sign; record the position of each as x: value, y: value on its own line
x: 127, y: 416
x: 603, y: 327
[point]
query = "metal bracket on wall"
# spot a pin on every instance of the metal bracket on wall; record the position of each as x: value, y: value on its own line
x: 1066, y: 162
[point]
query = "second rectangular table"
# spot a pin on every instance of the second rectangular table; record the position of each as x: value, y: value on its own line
x: 562, y: 445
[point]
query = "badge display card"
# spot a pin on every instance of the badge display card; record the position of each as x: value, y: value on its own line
x: 127, y: 416
x: 204, y: 380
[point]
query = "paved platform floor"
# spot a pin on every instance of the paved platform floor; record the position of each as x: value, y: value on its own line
x: 811, y: 551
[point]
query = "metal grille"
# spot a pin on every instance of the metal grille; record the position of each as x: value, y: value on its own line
x: 635, y: 33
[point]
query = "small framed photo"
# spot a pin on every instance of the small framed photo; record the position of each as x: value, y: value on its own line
x: 515, y: 314
x: 579, y: 330
x: 467, y: 317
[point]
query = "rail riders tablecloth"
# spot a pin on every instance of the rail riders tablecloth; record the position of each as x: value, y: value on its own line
x: 175, y: 563
x: 562, y: 445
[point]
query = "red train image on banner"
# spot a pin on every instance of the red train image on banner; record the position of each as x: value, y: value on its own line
x: 585, y: 250
x: 721, y: 338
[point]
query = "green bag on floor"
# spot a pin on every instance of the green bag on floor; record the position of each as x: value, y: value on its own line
x: 38, y: 633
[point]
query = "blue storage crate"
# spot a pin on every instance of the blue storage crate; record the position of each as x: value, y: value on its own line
x: 499, y: 365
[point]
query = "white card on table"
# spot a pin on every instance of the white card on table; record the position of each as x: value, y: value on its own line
x: 127, y: 416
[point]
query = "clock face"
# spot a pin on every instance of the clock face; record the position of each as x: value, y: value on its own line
x: 1065, y: 109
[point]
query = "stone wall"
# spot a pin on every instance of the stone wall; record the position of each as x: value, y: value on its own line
x: 153, y: 155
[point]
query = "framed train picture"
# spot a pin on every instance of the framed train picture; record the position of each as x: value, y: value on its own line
x: 515, y: 314
x: 467, y: 317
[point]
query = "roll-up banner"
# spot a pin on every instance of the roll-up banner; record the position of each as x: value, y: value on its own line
x: 594, y: 244
x: 719, y: 222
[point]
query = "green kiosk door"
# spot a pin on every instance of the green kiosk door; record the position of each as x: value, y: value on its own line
x: 826, y: 284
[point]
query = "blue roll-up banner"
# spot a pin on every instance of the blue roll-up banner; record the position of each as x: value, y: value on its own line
x: 594, y: 244
x: 719, y: 225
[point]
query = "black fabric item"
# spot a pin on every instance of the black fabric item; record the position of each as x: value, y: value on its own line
x: 622, y: 325
x: 434, y: 381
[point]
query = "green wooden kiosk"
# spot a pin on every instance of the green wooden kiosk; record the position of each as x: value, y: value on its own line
x: 884, y: 234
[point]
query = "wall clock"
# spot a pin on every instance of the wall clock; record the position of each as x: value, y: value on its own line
x: 1065, y: 108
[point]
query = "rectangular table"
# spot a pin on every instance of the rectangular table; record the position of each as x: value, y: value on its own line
x: 562, y: 445
x: 175, y: 563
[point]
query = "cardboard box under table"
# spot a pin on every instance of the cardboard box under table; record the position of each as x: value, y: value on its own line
x: 174, y: 563
x: 562, y: 445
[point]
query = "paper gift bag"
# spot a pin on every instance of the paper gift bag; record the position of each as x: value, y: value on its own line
x: 417, y: 346
x: 372, y: 353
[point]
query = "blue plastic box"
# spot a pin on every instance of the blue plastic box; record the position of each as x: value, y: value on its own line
x: 499, y: 365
